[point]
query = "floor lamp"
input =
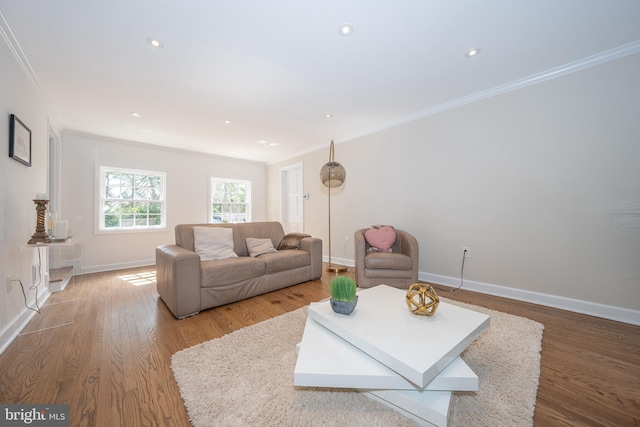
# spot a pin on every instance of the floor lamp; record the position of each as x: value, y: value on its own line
x: 332, y: 175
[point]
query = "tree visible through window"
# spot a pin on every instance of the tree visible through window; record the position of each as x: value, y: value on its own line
x: 230, y: 200
x: 131, y: 199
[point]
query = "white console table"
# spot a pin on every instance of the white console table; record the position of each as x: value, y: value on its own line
x: 60, y: 263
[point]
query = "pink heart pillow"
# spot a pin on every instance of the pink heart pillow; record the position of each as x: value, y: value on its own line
x: 382, y: 237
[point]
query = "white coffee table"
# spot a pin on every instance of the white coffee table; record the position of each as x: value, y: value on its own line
x: 407, y: 361
x: 326, y: 360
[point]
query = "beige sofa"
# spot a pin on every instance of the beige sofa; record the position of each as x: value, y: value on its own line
x: 188, y: 285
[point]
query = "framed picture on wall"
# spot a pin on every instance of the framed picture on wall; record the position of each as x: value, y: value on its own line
x: 19, y: 141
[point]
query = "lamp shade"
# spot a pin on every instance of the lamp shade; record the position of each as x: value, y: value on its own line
x: 332, y: 175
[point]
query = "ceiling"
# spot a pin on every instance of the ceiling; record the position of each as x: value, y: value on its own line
x: 275, y: 69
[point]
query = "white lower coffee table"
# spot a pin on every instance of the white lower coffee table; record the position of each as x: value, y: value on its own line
x: 326, y: 360
x: 394, y: 355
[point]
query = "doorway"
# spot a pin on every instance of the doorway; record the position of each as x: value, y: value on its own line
x: 292, y: 195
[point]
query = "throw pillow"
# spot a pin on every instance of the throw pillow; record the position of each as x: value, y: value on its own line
x: 213, y: 243
x: 259, y: 246
x: 381, y: 237
x: 291, y: 241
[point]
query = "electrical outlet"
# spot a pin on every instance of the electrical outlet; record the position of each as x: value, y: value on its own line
x: 467, y: 251
x: 347, y: 239
x: 9, y: 284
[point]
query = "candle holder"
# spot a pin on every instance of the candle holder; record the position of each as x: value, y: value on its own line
x: 40, y: 236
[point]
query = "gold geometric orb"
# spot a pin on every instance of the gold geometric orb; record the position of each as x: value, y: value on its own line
x: 422, y: 299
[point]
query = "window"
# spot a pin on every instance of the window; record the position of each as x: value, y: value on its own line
x: 131, y: 199
x: 230, y: 200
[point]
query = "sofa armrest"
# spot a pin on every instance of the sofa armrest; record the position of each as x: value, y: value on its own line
x: 178, y: 279
x: 313, y: 245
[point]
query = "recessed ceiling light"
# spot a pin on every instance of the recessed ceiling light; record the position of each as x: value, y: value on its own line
x: 137, y: 115
x: 328, y: 116
x: 345, y: 30
x: 226, y: 122
x: 472, y: 52
x: 155, y: 43
x: 268, y: 144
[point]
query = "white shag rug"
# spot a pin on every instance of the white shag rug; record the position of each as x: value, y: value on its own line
x: 246, y: 379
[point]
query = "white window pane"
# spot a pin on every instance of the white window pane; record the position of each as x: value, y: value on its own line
x: 230, y: 200
x: 131, y: 199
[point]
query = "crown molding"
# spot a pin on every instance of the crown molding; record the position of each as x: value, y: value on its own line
x: 115, y: 140
x: 572, y: 67
x: 15, y: 48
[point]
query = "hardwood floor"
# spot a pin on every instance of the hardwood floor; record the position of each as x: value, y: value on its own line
x: 104, y: 345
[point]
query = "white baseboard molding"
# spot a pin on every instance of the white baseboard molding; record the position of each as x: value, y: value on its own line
x: 618, y: 314
x: 13, y: 329
x: 340, y: 261
x: 119, y: 266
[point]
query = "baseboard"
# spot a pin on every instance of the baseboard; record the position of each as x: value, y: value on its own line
x: 340, y: 261
x: 610, y: 312
x: 618, y: 314
x: 13, y: 329
x: 119, y: 266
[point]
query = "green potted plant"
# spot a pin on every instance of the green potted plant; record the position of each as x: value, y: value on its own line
x: 343, y: 294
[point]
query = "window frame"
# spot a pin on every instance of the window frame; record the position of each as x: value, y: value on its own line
x: 102, y: 199
x: 247, y: 203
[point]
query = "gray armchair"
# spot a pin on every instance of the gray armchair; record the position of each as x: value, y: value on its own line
x: 398, y: 268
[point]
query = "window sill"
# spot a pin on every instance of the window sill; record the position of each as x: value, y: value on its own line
x: 160, y: 229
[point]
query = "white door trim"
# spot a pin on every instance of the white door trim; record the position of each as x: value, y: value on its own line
x: 284, y: 192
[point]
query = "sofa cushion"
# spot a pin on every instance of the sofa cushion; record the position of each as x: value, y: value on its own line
x: 382, y: 273
x: 257, y: 247
x: 260, y: 230
x: 213, y: 243
x: 388, y: 260
x: 285, y: 260
x: 229, y: 271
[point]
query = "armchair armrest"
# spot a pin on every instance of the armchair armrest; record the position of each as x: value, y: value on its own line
x: 408, y: 244
x: 313, y: 245
x: 178, y: 279
x: 360, y: 250
x: 359, y: 245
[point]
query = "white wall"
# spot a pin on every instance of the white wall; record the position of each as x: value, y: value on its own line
x: 21, y: 96
x: 538, y: 182
x: 187, y: 194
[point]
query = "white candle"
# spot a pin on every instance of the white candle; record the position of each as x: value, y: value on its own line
x: 41, y: 196
x: 60, y: 229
